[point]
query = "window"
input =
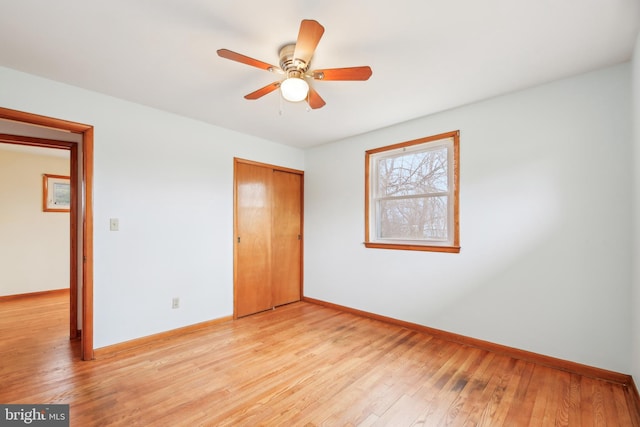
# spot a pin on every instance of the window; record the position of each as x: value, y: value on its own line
x: 411, y: 195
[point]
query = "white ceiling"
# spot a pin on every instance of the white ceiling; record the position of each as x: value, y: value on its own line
x: 426, y: 55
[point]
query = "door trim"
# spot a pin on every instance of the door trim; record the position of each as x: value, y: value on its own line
x: 81, y: 212
x: 236, y: 161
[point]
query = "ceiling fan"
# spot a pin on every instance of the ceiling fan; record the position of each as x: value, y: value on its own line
x: 295, y: 60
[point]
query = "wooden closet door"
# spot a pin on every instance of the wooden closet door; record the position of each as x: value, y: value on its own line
x: 286, y: 237
x: 252, y: 290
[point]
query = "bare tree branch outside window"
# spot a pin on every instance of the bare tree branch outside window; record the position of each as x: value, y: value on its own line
x: 412, y: 205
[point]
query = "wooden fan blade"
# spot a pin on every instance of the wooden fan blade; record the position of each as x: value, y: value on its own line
x: 228, y: 54
x: 263, y: 91
x: 350, y: 73
x: 314, y: 99
x: 308, y: 37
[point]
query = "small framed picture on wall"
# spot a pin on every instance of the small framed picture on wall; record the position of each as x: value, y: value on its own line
x: 56, y: 193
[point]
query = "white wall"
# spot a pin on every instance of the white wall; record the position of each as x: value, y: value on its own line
x: 169, y: 180
x: 635, y: 296
x: 545, y: 216
x: 34, y: 245
x: 545, y: 264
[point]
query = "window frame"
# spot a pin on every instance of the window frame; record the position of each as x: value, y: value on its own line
x: 452, y: 210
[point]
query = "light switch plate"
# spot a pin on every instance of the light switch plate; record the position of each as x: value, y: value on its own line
x: 114, y: 224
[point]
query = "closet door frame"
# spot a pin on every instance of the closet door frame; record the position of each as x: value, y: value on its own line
x: 236, y: 230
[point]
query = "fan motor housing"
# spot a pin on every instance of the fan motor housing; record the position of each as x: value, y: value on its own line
x: 289, y: 64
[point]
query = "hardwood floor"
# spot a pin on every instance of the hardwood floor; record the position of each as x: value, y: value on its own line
x: 299, y: 365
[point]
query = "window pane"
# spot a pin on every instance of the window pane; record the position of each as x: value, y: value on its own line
x: 413, y: 173
x: 423, y: 218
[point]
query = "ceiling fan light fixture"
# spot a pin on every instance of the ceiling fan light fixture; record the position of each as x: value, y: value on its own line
x: 295, y: 62
x: 294, y: 89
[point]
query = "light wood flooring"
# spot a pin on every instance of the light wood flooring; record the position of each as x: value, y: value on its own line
x: 299, y: 365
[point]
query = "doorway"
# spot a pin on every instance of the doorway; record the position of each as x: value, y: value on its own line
x: 268, y: 236
x: 81, y: 214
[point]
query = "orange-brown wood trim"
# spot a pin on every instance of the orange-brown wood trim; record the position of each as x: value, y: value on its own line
x: 34, y: 294
x: 87, y: 215
x: 455, y: 248
x: 87, y: 245
x: 113, y: 350
x: 548, y: 361
x: 448, y: 249
x: 367, y: 177
x: 36, y: 142
x: 44, y: 121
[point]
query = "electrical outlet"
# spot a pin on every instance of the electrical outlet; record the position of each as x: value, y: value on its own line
x: 175, y: 302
